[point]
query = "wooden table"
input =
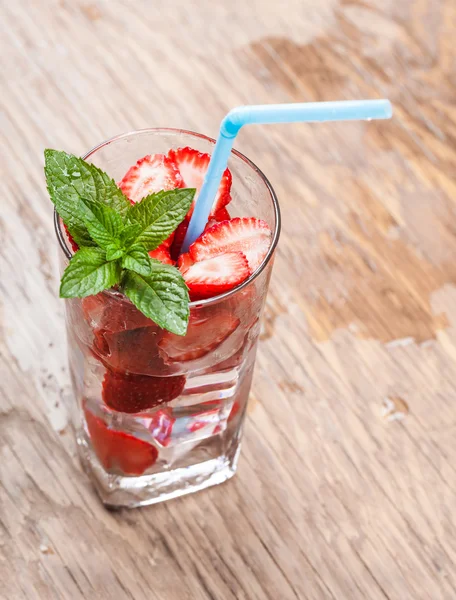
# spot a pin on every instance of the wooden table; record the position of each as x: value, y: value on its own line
x: 346, y: 485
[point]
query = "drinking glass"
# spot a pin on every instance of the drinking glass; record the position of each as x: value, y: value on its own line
x: 190, y: 438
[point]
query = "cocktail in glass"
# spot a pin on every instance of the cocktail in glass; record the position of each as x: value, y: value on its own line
x: 187, y: 395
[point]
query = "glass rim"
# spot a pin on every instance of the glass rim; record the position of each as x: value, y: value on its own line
x: 62, y: 238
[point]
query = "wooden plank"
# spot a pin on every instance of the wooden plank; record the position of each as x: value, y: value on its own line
x: 346, y: 485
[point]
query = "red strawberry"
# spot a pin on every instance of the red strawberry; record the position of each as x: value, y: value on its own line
x: 133, y: 393
x: 216, y: 275
x: 152, y: 173
x: 206, y: 331
x: 222, y: 215
x: 124, y: 339
x: 184, y: 262
x: 192, y: 166
x: 250, y: 236
x: 162, y: 254
x: 117, y: 451
x: 133, y: 351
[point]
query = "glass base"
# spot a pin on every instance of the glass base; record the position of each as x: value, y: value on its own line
x: 117, y: 491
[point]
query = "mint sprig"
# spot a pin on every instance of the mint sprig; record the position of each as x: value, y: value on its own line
x: 115, y: 238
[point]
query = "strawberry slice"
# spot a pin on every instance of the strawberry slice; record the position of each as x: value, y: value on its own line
x: 162, y: 254
x: 216, y: 275
x: 124, y: 339
x: 117, y: 451
x: 250, y: 236
x: 206, y: 331
x: 133, y: 351
x: 130, y: 393
x: 184, y: 262
x: 222, y: 215
x: 151, y: 173
x: 192, y: 166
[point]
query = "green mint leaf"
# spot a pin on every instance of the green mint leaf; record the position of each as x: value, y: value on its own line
x: 159, y: 215
x: 129, y: 234
x: 88, y: 273
x: 70, y: 178
x: 162, y: 296
x: 137, y: 259
x: 113, y: 252
x: 103, y: 223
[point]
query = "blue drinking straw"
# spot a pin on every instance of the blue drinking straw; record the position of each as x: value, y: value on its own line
x: 305, y: 112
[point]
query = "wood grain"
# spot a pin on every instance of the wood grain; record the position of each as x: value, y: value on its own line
x: 345, y: 488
